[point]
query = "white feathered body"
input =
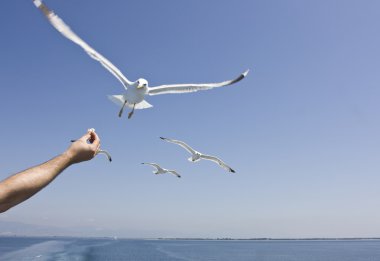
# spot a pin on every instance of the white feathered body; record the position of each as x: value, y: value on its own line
x: 135, y: 95
x: 195, y: 157
x: 132, y: 95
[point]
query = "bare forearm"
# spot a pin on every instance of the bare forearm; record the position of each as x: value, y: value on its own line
x: 25, y: 184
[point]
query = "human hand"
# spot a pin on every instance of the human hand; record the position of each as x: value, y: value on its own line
x: 84, y: 148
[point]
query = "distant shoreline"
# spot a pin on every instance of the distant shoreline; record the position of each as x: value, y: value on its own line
x: 276, y: 239
x: 200, y: 239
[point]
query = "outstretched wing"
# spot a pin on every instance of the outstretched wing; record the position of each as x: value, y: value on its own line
x: 174, y: 172
x: 154, y: 165
x: 184, y: 88
x: 106, y: 154
x: 219, y: 161
x: 180, y: 143
x: 65, y: 30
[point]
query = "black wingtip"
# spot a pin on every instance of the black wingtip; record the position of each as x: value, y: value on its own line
x: 110, y: 159
x: 73, y: 140
x: 232, y: 170
x: 240, y: 77
x: 43, y: 7
x: 162, y: 138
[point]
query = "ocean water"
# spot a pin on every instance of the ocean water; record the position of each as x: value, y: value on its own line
x: 41, y: 249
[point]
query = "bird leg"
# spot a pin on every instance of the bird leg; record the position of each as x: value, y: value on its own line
x: 122, y: 108
x: 133, y: 110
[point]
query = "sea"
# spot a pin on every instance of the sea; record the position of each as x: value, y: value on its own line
x: 53, y: 248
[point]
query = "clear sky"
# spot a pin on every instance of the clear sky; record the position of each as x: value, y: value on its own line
x: 301, y: 131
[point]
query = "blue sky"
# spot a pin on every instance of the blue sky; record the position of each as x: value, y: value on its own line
x: 301, y: 131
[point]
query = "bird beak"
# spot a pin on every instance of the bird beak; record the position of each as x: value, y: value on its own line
x: 141, y: 86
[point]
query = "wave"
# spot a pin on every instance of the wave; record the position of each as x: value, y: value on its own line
x: 40, y: 251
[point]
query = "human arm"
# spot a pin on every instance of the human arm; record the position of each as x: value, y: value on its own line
x: 21, y: 186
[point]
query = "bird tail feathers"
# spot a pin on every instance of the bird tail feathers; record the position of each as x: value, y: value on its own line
x: 143, y: 105
x: 119, y: 100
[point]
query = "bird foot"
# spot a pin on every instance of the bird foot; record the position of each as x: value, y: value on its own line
x: 130, y: 115
x: 122, y: 109
x: 121, y: 112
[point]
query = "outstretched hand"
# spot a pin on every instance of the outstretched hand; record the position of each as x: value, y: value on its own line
x: 84, y: 148
x: 21, y: 186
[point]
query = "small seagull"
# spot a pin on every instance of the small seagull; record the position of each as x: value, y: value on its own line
x: 99, y: 151
x: 135, y: 92
x: 196, y: 155
x: 105, y: 153
x: 160, y: 170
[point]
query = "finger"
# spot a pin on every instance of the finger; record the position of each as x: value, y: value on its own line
x: 85, y: 137
x: 95, y: 140
x: 91, y: 132
x: 92, y: 138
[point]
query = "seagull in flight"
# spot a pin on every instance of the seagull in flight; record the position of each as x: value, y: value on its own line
x: 98, y: 151
x: 196, y: 155
x: 105, y: 153
x: 160, y: 170
x: 134, y: 92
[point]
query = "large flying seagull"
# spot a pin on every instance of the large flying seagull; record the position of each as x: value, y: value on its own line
x: 135, y: 92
